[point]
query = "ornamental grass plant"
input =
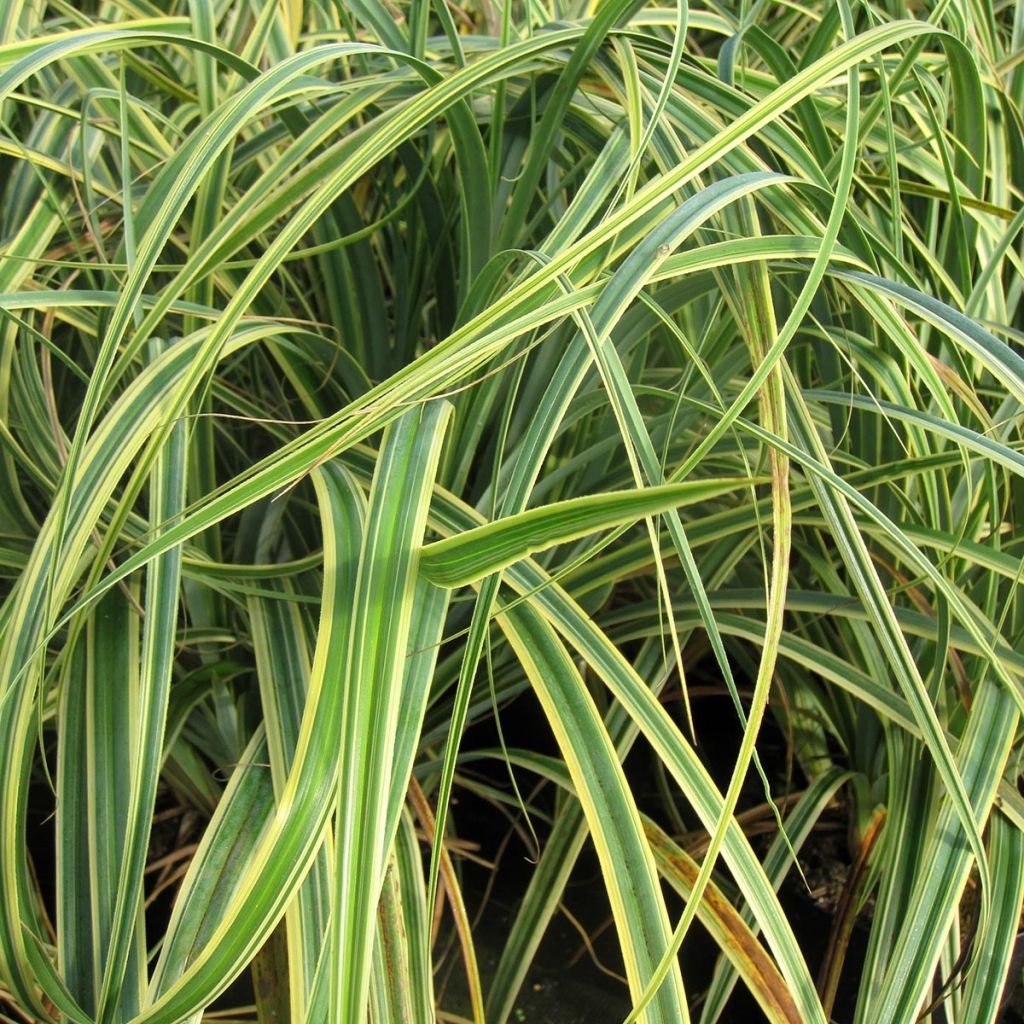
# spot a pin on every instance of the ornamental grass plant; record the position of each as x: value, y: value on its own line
x: 412, y: 415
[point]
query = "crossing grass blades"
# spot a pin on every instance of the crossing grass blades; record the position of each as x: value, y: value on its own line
x: 375, y: 373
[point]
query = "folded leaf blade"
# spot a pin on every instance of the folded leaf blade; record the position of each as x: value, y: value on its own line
x: 469, y: 556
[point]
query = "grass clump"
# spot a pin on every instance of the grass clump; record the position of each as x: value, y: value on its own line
x: 377, y: 375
